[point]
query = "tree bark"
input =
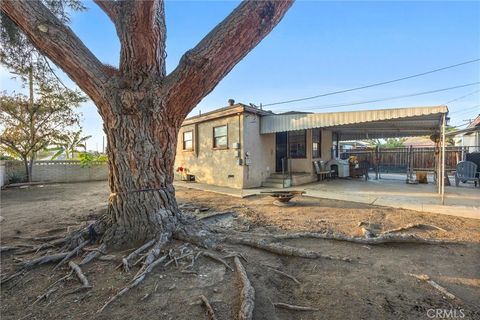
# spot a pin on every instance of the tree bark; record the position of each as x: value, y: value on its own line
x: 142, y: 141
x: 143, y: 108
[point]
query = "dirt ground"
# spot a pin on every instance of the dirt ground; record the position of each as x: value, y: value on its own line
x: 376, y: 285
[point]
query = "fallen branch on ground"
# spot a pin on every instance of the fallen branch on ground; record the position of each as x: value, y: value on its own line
x: 284, y: 274
x: 135, y: 282
x: 176, y: 259
x: 247, y: 295
x: 292, y: 307
x: 426, y: 278
x: 215, y: 258
x: 210, y: 311
x: 45, y: 295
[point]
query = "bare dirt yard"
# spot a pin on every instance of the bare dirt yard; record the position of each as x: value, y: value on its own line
x: 375, y: 284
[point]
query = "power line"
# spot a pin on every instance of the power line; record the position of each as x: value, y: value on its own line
x: 465, y: 109
x: 459, y: 98
x: 387, y: 98
x: 372, y: 85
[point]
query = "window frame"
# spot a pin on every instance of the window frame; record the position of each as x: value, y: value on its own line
x: 317, y: 143
x: 304, y: 156
x: 183, y: 141
x: 214, y: 145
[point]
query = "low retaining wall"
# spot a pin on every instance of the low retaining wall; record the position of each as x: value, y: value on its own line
x: 53, y: 171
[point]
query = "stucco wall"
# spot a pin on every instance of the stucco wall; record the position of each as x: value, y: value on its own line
x: 261, y: 149
x: 220, y: 167
x: 306, y: 164
x: 209, y: 165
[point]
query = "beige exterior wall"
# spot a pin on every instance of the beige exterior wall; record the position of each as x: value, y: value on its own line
x: 306, y: 164
x: 261, y: 150
x: 209, y: 165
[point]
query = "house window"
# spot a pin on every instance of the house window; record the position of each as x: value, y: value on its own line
x: 220, y: 137
x: 316, y: 143
x: 297, y: 141
x: 188, y: 140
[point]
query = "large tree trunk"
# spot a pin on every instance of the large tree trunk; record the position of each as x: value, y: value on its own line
x: 141, y: 148
x: 141, y: 106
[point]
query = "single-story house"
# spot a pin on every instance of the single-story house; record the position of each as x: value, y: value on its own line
x: 468, y: 137
x: 241, y: 146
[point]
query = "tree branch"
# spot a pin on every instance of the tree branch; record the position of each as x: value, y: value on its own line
x: 202, y: 67
x: 110, y: 7
x: 142, y: 36
x: 59, y: 43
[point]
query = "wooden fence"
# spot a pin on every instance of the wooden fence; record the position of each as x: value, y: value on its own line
x: 396, y: 159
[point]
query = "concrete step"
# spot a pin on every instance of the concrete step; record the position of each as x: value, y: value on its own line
x: 272, y: 185
x: 276, y: 180
x: 275, y: 184
x: 277, y: 175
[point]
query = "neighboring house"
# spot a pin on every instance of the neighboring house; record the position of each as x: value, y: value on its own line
x: 240, y: 146
x: 418, y: 142
x: 468, y: 137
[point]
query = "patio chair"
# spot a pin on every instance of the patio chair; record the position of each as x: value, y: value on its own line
x: 321, y: 171
x: 466, y: 171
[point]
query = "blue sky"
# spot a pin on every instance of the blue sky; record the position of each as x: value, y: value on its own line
x: 321, y: 47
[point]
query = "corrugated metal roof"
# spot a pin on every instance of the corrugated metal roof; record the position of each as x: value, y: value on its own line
x: 362, y: 124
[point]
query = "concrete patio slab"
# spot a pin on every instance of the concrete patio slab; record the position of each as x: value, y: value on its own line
x: 391, y: 191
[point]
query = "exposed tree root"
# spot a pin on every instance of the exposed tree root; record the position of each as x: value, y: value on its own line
x: 215, y: 258
x: 135, y: 282
x: 284, y: 274
x: 292, y: 307
x: 247, y: 295
x: 281, y: 249
x: 46, y: 238
x: 382, y: 239
x: 132, y: 256
x: 14, y: 248
x: 79, y: 273
x: 426, y: 278
x: 45, y: 259
x: 154, y: 252
x: 210, y: 311
x: 51, y: 244
x: 93, y: 255
x: 413, y: 225
x: 72, y: 253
